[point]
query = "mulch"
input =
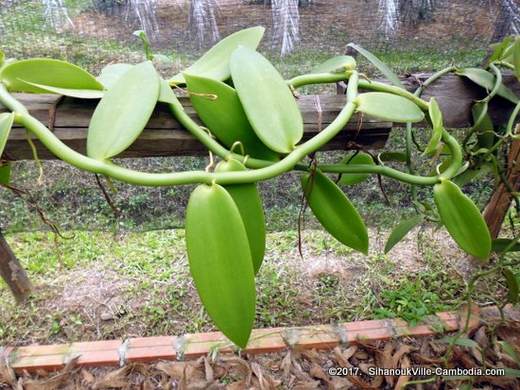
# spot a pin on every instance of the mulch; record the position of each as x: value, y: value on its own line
x: 493, y: 344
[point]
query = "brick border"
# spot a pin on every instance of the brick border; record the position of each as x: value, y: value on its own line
x: 192, y: 346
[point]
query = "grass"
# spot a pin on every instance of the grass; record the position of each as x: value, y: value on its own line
x: 98, y: 285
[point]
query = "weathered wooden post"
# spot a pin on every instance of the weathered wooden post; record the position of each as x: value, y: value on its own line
x: 13, y: 273
x: 500, y: 201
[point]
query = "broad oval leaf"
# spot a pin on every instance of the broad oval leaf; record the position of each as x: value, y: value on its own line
x: 486, y: 80
x: 389, y: 107
x: 219, y: 108
x: 52, y: 73
x: 392, y: 156
x: 220, y: 261
x: 123, y: 112
x: 214, y: 64
x: 6, y: 123
x: 267, y: 100
x: 5, y: 173
x: 334, y: 211
x: 360, y: 158
x: 516, y: 57
x: 111, y: 73
x: 247, y: 198
x: 380, y: 65
x: 435, y: 114
x: 513, y: 289
x: 500, y: 244
x: 75, y: 93
x: 500, y: 49
x: 336, y: 64
x: 485, y: 128
x: 462, y: 219
x: 401, y: 230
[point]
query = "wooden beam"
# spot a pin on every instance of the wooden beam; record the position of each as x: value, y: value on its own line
x: 164, y: 136
x: 456, y: 95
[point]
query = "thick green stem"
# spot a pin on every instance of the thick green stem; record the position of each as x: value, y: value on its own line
x: 80, y: 161
x: 322, y: 78
x: 318, y: 78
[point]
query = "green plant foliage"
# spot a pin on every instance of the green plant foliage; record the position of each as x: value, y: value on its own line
x: 215, y: 63
x: 401, y: 230
x: 6, y: 123
x: 485, y: 128
x: 513, y: 288
x: 336, y: 64
x: 437, y: 127
x: 220, y: 261
x: 334, y: 211
x: 51, y: 73
x: 267, y: 100
x: 247, y: 199
x: 392, y: 156
x: 123, y: 112
x: 389, y: 107
x: 111, y: 73
x: 499, y: 245
x: 381, y: 66
x: 486, y: 80
x: 500, y: 49
x: 76, y: 93
x: 462, y: 219
x: 516, y: 57
x: 219, y: 108
x: 5, y: 173
x: 360, y: 158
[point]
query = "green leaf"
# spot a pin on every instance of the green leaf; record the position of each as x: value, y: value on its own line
x: 123, y: 112
x: 6, y: 123
x: 462, y: 219
x: 485, y: 128
x: 472, y: 174
x: 437, y: 127
x: 247, y: 198
x: 393, y: 156
x: 220, y: 261
x: 2, y: 58
x: 360, y: 158
x: 460, y: 341
x: 220, y: 110
x: 334, y: 211
x: 75, y: 93
x: 499, y: 49
x: 513, y: 289
x: 500, y: 244
x: 166, y: 94
x: 336, y: 64
x: 111, y: 73
x: 401, y: 230
x: 267, y: 100
x: 486, y: 80
x: 215, y: 63
x: 510, y: 350
x: 389, y: 107
x: 5, y: 173
x: 52, y: 73
x: 381, y: 66
x: 516, y: 57
x: 146, y: 44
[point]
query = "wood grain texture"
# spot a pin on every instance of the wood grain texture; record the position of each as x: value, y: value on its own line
x: 164, y: 136
x: 498, y: 206
x: 13, y: 273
